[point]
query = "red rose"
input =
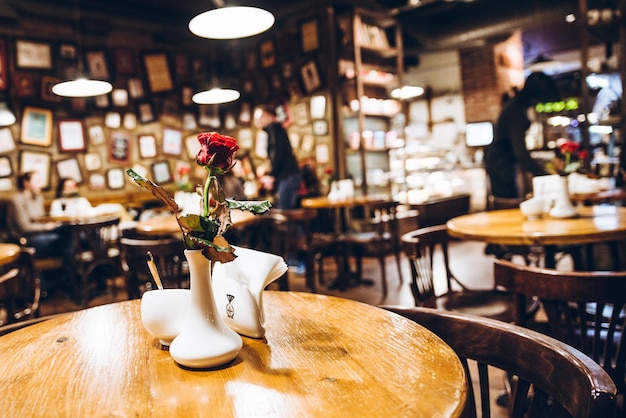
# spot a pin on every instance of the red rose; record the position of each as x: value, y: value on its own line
x: 216, y: 150
x: 583, y: 154
x: 569, y: 147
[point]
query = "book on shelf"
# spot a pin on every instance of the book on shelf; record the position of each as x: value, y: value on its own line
x: 372, y: 36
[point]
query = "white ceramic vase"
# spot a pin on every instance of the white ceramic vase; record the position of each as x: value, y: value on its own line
x: 205, y: 340
x: 563, y: 207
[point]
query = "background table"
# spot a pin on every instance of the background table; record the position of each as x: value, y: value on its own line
x: 8, y: 253
x: 322, y: 356
x: 510, y: 227
x: 168, y: 224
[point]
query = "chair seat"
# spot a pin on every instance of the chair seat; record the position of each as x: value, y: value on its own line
x: 486, y: 303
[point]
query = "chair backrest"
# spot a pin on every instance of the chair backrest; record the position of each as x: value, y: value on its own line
x: 584, y: 309
x: 543, y: 367
x: 98, y: 237
x: 381, y: 216
x: 420, y: 246
x: 169, y: 258
x: 20, y: 288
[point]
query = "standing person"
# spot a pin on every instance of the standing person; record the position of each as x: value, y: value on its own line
x: 284, y: 176
x: 507, y: 155
x: 25, y: 209
x: 67, y: 200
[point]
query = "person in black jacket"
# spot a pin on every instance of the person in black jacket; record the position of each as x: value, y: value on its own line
x: 284, y: 176
x: 507, y: 155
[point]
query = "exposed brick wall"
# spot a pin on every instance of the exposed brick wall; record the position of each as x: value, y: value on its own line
x: 487, y: 73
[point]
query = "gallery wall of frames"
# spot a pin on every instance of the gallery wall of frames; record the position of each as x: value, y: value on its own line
x: 149, y: 122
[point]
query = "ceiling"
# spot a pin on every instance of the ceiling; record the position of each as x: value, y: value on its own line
x: 428, y: 25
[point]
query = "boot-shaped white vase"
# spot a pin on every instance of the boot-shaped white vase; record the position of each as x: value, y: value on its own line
x: 563, y: 207
x: 205, y: 340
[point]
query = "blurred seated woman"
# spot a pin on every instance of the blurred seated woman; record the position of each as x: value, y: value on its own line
x: 67, y: 201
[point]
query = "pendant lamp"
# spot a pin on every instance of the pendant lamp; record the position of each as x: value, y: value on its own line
x: 81, y: 86
x: 215, y: 94
x: 7, y: 117
x: 231, y: 22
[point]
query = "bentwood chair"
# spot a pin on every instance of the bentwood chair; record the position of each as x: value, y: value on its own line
x: 293, y: 238
x: 550, y: 378
x: 169, y: 257
x: 20, y: 288
x: 97, y: 254
x: 377, y: 236
x: 423, y: 247
x: 586, y: 310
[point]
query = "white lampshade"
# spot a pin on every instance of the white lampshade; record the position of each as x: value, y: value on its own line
x: 215, y: 95
x: 231, y: 22
x: 82, y: 87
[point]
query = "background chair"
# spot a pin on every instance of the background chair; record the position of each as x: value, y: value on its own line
x: 20, y: 288
x: 98, y: 255
x: 552, y: 379
x: 375, y: 236
x: 583, y: 309
x: 169, y: 258
x: 420, y: 247
x: 293, y: 238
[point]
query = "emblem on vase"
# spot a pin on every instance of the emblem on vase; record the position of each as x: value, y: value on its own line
x: 230, y: 309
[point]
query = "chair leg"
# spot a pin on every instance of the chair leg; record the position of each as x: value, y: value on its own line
x: 399, y: 265
x: 383, y: 273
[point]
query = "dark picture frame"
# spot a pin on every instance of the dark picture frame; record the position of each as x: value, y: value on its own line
x: 39, y: 162
x: 158, y: 72
x: 310, y: 76
x: 267, y: 53
x: 71, y: 135
x: 36, y: 126
x: 145, y: 111
x: 124, y: 59
x: 46, y: 89
x: 67, y: 51
x: 24, y: 85
x: 33, y: 54
x: 97, y: 64
x: 309, y: 35
x: 120, y: 147
x: 4, y: 73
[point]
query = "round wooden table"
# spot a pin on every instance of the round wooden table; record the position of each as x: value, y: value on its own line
x: 168, y: 224
x: 510, y: 227
x: 8, y: 253
x: 322, y: 356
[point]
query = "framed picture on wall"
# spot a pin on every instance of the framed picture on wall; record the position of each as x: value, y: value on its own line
x: 71, y: 135
x: 115, y: 178
x: 39, y: 162
x: 69, y: 168
x: 97, y: 64
x: 268, y: 56
x: 192, y: 146
x: 308, y: 32
x: 36, y: 126
x: 96, y: 135
x: 158, y: 72
x: 68, y: 51
x: 172, y: 141
x: 310, y: 77
x: 31, y: 54
x: 96, y: 181
x: 46, y: 89
x: 145, y: 112
x: 93, y: 161
x: 147, y: 146
x: 24, y: 85
x: 135, y: 88
x: 161, y: 172
x: 6, y: 169
x: 119, y: 147
x: 124, y: 60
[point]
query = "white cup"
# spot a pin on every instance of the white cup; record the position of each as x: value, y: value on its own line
x: 163, y: 313
x: 532, y: 208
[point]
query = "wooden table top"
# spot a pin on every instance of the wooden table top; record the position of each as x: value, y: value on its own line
x: 322, y: 356
x: 167, y: 224
x: 86, y: 219
x: 323, y: 202
x: 510, y: 227
x: 8, y: 253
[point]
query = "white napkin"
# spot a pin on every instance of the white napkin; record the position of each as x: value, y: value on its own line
x: 238, y: 285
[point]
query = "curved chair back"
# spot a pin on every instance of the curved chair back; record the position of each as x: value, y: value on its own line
x: 20, y: 288
x: 552, y: 379
x: 585, y: 309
